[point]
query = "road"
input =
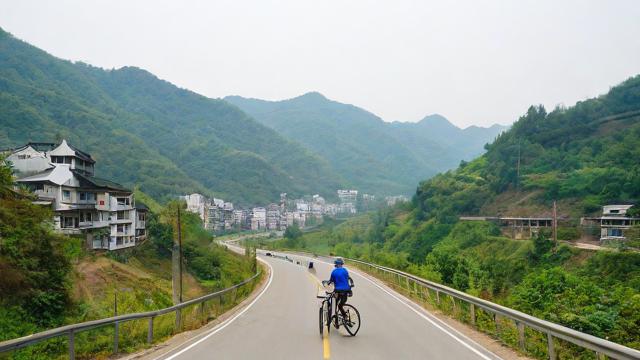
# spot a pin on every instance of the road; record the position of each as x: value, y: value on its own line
x: 282, y: 323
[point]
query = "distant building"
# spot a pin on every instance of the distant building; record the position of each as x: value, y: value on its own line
x: 273, y: 217
x: 516, y: 227
x: 102, y: 211
x: 614, y: 222
x: 393, y: 200
x: 258, y: 218
x: 348, y: 196
x: 196, y: 204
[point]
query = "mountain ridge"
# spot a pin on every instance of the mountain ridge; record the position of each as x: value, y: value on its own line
x: 176, y: 140
x: 330, y: 129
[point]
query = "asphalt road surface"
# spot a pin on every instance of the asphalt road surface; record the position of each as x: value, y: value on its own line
x: 282, y: 323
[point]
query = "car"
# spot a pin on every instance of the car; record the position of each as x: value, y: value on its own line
x: 268, y: 254
x: 310, y: 264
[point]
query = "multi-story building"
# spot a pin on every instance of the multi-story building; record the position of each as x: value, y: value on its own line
x: 196, y: 203
x: 348, y: 196
x: 102, y: 211
x: 273, y: 217
x: 258, y: 218
x: 614, y: 223
x: 348, y: 201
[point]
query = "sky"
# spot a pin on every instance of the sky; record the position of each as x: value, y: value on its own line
x: 475, y: 62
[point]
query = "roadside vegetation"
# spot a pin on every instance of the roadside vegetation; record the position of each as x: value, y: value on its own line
x: 49, y: 280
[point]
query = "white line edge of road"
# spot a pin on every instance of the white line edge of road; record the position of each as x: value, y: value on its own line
x: 227, y: 322
x: 458, y: 336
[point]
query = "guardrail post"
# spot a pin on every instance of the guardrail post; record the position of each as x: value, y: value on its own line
x: 551, y: 351
x: 495, y: 321
x: 438, y: 297
x: 521, y: 340
x: 72, y: 345
x: 178, y: 319
x: 116, y: 337
x: 472, y: 314
x: 150, y: 331
x: 454, y: 309
x: 202, y: 317
x: 600, y: 356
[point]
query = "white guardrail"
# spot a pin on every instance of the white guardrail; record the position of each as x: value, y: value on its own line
x: 601, y: 347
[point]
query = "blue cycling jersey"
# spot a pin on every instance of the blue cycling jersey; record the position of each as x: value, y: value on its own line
x: 340, y: 279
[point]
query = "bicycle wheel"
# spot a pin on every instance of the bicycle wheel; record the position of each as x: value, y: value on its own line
x: 351, y: 320
x: 328, y: 316
x: 320, y: 313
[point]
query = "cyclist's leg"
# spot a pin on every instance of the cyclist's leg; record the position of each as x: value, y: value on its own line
x: 342, y: 299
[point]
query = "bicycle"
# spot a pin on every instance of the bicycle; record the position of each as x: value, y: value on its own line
x: 351, y: 319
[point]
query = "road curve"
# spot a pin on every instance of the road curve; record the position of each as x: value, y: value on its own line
x: 282, y: 323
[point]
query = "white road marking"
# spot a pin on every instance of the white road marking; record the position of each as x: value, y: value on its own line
x: 456, y: 337
x: 228, y: 321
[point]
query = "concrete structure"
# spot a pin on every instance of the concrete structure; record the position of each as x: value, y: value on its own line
x: 102, y: 211
x: 196, y: 203
x: 614, y: 222
x: 258, y: 218
x: 516, y: 227
x: 273, y: 217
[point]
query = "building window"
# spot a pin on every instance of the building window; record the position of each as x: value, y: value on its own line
x: 67, y: 159
x: 83, y: 196
x: 141, y: 216
x: 66, y: 195
x: 123, y: 201
x: 122, y: 215
x: 69, y: 222
x: 85, y: 217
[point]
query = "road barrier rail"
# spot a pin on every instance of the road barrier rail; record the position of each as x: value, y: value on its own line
x: 414, y: 286
x: 71, y: 330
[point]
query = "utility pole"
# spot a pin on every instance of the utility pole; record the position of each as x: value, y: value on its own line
x: 555, y: 226
x: 180, y: 247
x: 176, y: 262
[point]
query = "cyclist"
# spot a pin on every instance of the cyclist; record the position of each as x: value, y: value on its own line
x: 342, y: 285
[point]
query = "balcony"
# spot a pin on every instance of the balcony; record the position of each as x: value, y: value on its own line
x: 93, y: 224
x: 70, y: 231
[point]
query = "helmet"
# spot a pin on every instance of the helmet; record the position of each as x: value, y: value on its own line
x: 338, y: 261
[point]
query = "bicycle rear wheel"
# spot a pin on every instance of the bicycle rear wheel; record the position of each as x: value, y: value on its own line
x: 351, y: 320
x: 320, y: 313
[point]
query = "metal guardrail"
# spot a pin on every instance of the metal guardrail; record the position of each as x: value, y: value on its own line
x: 522, y: 320
x: 71, y: 330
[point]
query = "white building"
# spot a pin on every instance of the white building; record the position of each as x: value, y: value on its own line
x: 258, y: 218
x: 348, y: 196
x: 615, y: 222
x: 196, y: 204
x: 62, y: 177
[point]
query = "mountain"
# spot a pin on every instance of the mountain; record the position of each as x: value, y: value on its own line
x: 445, y: 144
x: 147, y: 132
x: 373, y: 155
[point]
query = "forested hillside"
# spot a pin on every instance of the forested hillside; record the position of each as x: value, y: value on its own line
x: 585, y: 156
x: 373, y: 155
x: 147, y: 132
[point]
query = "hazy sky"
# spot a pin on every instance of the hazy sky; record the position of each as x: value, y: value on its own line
x: 475, y: 62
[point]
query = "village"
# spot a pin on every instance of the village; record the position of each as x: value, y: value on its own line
x: 220, y: 216
x: 107, y: 215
